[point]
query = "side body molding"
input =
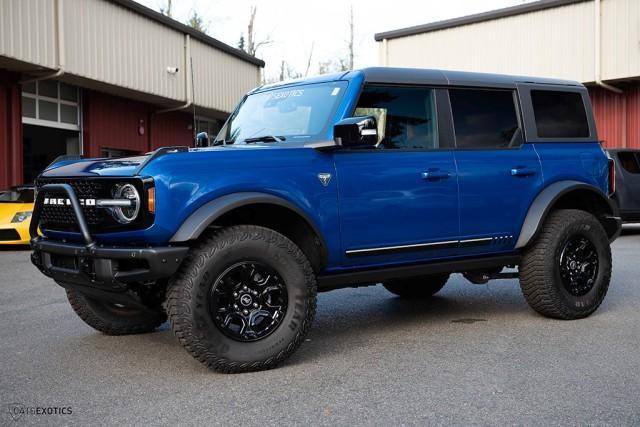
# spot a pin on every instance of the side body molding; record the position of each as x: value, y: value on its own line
x: 545, y: 200
x: 206, y: 214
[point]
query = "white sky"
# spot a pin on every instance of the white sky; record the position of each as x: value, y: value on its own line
x: 294, y: 25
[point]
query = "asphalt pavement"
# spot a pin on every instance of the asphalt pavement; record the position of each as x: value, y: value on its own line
x: 473, y: 355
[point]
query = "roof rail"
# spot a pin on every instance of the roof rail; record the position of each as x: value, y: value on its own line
x: 157, y: 153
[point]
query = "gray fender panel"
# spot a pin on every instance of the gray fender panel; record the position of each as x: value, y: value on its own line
x: 543, y: 202
x: 199, y: 220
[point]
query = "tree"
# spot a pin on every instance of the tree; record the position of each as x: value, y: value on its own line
x: 350, y: 41
x: 166, y: 10
x: 252, y: 42
x: 196, y: 22
x: 241, y: 44
x: 306, y: 72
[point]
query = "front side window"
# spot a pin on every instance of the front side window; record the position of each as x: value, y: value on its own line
x: 406, y: 116
x: 484, y: 118
x: 288, y: 114
x: 559, y: 114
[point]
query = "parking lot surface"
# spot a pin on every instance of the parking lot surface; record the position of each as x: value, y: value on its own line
x: 475, y: 354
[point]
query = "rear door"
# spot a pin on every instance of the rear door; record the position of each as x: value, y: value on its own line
x: 399, y: 201
x: 498, y: 175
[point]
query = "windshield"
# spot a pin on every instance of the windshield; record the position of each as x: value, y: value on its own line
x: 17, y: 195
x: 294, y: 113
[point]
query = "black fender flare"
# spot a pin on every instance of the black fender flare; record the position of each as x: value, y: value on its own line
x: 206, y: 214
x: 544, y: 201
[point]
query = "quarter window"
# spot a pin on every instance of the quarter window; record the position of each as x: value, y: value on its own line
x: 484, y: 118
x: 406, y: 116
x: 559, y: 114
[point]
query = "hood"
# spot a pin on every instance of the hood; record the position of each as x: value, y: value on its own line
x: 95, y: 167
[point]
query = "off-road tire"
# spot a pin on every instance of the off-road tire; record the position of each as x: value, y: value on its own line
x: 417, y: 287
x: 188, y: 300
x: 540, y: 278
x: 111, y: 319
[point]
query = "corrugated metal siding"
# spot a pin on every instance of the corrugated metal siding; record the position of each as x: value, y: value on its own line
x: 220, y: 80
x: 617, y: 116
x: 171, y: 129
x: 26, y: 31
x: 111, y: 44
x: 609, y: 109
x: 633, y: 118
x: 620, y: 39
x: 549, y: 43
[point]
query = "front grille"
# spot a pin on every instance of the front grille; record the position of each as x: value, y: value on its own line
x: 9, y: 235
x: 62, y: 218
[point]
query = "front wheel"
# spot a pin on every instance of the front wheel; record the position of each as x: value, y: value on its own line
x: 243, y: 300
x: 565, y: 273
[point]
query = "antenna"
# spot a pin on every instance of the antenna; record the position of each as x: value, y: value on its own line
x: 193, y: 103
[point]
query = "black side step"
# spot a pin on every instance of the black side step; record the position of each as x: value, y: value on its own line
x: 328, y: 282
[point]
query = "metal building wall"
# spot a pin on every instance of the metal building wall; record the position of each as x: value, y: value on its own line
x: 111, y: 44
x: 617, y: 116
x: 555, y: 42
x: 214, y: 84
x: 26, y: 31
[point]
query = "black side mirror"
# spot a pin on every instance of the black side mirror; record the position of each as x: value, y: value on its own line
x: 356, y: 132
x: 202, y: 139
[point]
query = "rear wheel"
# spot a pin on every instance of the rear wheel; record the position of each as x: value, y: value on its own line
x: 417, y: 287
x: 113, y: 318
x: 565, y: 273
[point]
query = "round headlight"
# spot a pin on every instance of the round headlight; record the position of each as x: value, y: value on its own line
x: 126, y: 214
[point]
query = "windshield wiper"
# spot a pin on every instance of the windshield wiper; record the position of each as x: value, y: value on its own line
x: 265, y: 138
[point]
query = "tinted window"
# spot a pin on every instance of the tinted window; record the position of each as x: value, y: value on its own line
x: 484, y: 118
x: 406, y: 116
x: 559, y: 114
x: 629, y: 161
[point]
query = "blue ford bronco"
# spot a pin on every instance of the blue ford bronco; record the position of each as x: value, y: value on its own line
x: 382, y: 175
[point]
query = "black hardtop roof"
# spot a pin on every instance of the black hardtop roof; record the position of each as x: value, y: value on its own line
x: 453, y: 78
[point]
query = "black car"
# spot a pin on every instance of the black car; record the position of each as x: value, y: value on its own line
x: 627, y: 193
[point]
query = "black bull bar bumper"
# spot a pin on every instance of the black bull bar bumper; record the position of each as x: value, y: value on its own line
x: 97, y: 270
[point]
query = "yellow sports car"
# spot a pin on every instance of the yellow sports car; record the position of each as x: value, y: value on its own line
x: 16, y: 206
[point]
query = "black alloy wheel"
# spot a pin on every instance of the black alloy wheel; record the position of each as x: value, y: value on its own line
x: 578, y: 265
x: 248, y: 301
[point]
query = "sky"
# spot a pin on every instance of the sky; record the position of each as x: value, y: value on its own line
x: 294, y: 26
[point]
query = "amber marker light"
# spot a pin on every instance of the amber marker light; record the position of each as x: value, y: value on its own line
x: 151, y: 200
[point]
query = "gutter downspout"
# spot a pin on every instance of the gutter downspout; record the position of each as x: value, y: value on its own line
x: 598, y: 50
x: 188, y: 86
x: 59, y: 35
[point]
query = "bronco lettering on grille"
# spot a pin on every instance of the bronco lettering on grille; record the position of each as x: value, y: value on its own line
x: 67, y: 202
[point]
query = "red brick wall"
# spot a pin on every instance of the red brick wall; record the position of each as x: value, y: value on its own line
x: 617, y: 116
x: 124, y: 124
x: 10, y: 130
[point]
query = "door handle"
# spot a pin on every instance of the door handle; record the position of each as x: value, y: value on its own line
x: 523, y: 171
x: 435, y: 175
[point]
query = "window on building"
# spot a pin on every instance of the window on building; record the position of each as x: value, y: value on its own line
x: 559, y: 114
x: 485, y: 118
x: 115, y: 152
x: 51, y: 103
x: 406, y: 116
x: 629, y: 161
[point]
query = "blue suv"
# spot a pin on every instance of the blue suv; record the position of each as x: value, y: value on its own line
x: 382, y: 175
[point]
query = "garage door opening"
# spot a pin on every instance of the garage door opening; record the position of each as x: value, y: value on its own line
x: 41, y: 145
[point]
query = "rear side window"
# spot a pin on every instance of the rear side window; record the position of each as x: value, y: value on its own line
x: 484, y: 118
x: 629, y: 161
x: 559, y: 114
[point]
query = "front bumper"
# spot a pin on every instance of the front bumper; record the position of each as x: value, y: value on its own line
x: 105, y: 272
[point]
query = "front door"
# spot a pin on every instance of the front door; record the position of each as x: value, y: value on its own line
x: 398, y: 201
x: 498, y: 175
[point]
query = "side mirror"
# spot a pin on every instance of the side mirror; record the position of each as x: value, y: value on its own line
x: 356, y: 132
x: 202, y: 139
